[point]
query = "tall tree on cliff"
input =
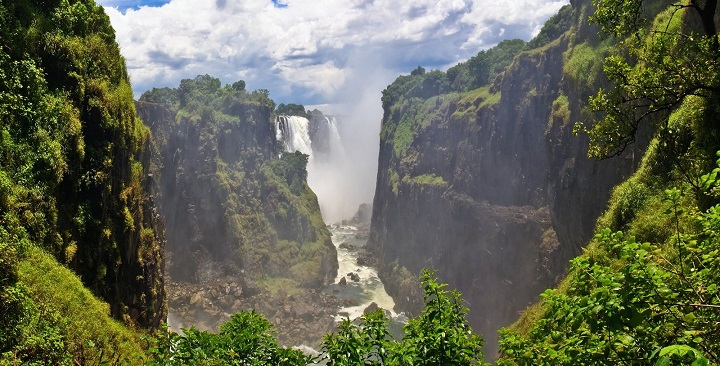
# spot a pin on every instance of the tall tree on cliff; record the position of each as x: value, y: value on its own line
x: 675, y: 58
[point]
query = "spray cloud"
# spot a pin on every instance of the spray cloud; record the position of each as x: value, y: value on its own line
x: 347, y: 178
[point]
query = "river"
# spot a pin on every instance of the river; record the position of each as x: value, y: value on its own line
x: 358, y: 295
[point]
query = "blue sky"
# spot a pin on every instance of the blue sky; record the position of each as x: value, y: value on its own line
x: 313, y: 52
x: 132, y: 4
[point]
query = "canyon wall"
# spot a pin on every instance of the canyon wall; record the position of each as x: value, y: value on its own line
x: 489, y: 186
x: 232, y: 207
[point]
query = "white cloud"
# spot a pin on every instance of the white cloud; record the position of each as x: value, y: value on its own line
x: 302, y: 53
x: 337, y: 55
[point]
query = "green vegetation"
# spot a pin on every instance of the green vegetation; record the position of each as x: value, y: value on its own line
x: 560, y: 111
x: 553, y: 28
x: 439, y: 335
x: 292, y: 109
x: 62, y: 322
x: 72, y: 191
x: 246, y: 339
x: 645, y: 290
x: 224, y: 140
x: 394, y: 180
x: 676, y: 56
x: 483, y: 68
x: 73, y: 198
x: 413, y: 100
x: 429, y: 180
x: 626, y: 300
x: 584, y: 65
x: 166, y: 96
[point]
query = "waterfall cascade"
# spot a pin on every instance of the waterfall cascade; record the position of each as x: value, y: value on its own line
x: 294, y: 133
x: 336, y: 147
x: 328, y: 165
x: 329, y: 169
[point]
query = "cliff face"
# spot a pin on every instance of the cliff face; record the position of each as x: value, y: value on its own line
x: 231, y: 207
x: 74, y: 156
x: 489, y: 186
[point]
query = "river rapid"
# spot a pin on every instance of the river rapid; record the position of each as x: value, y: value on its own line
x: 362, y: 286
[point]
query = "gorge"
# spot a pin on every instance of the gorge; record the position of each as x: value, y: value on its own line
x: 209, y: 206
x: 490, y: 186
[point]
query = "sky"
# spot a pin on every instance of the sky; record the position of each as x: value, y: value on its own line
x: 311, y: 52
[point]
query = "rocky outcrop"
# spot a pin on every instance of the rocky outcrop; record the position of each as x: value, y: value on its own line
x: 241, y: 222
x: 490, y: 187
x: 302, y: 318
x: 223, y: 212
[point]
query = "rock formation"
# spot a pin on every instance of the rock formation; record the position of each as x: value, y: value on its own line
x: 236, y: 209
x: 489, y: 186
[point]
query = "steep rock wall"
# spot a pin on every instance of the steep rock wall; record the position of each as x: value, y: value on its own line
x: 227, y: 209
x: 490, y: 186
x: 75, y: 156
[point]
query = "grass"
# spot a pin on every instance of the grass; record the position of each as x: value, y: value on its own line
x: 431, y: 180
x: 584, y: 63
x: 560, y: 111
x: 65, y: 308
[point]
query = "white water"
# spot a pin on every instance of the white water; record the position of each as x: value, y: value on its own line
x: 330, y: 175
x: 369, y: 289
x: 327, y: 178
x: 298, y: 135
x: 336, y: 146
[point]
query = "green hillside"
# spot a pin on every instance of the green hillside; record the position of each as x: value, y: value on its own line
x: 645, y: 289
x: 75, y: 212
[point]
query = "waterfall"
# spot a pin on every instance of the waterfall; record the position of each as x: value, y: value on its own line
x: 336, y: 147
x: 294, y: 132
x: 329, y: 169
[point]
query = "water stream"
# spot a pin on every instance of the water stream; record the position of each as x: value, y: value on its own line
x: 368, y: 289
x: 360, y: 286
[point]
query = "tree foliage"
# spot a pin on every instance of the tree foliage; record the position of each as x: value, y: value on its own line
x: 291, y: 109
x: 246, y: 339
x: 666, y: 61
x: 439, y: 335
x: 636, y: 303
x: 479, y: 71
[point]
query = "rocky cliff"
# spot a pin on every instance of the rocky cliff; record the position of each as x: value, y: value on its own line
x: 75, y: 156
x: 237, y: 211
x: 80, y: 240
x: 489, y: 185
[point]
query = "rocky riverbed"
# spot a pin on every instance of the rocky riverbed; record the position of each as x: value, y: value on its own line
x: 300, y: 318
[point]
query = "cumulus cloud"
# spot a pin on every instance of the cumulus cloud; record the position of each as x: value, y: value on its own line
x: 336, y: 55
x: 303, y: 50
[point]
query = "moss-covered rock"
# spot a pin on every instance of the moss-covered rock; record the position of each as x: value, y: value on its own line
x: 74, y: 160
x: 232, y: 205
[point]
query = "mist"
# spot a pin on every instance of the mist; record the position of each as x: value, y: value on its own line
x: 347, y: 178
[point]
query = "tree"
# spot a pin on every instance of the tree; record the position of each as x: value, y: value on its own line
x: 291, y: 109
x: 439, y: 335
x: 479, y: 69
x: 675, y: 57
x: 247, y: 339
x: 239, y: 85
x: 199, y: 89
